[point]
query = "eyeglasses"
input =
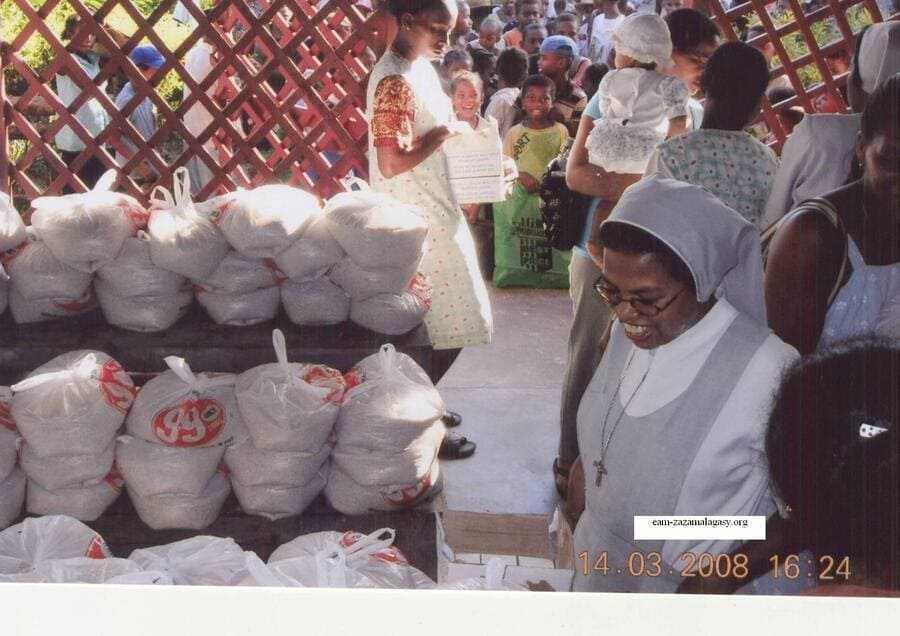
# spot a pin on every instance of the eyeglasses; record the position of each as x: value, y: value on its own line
x: 647, y: 308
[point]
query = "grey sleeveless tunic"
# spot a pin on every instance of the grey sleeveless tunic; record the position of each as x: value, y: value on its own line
x: 648, y: 457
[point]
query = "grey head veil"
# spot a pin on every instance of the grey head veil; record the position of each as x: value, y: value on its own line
x: 718, y: 245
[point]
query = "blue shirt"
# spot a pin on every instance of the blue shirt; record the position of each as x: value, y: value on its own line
x: 143, y: 118
x: 592, y: 111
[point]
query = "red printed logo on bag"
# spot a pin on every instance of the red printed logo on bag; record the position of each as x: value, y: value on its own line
x: 354, y: 377
x: 88, y: 301
x: 117, y: 387
x: 115, y: 479
x: 217, y: 214
x: 421, y: 289
x: 6, y: 420
x: 389, y: 554
x: 196, y: 422
x: 409, y: 496
x: 277, y: 275
x: 136, y: 214
x: 97, y: 549
x: 10, y: 255
x: 328, y: 378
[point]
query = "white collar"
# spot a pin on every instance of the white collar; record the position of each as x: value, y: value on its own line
x: 670, y: 368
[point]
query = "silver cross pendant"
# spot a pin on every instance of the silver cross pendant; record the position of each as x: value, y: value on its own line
x: 601, y: 470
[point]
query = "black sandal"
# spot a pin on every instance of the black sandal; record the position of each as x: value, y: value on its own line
x: 455, y: 446
x: 451, y: 419
x: 560, y: 473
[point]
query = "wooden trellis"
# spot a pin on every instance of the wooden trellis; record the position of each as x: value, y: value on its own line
x: 833, y: 11
x: 298, y: 67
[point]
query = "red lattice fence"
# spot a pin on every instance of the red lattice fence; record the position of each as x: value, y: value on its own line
x: 295, y: 109
x: 797, y: 21
x: 295, y: 114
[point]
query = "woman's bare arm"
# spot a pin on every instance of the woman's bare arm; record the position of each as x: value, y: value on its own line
x: 803, y: 263
x: 585, y: 178
x: 395, y: 160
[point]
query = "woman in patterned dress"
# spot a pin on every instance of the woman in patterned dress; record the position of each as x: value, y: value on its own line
x: 408, y: 115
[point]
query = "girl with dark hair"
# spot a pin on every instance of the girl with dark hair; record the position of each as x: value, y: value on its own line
x: 833, y: 268
x: 833, y: 450
x: 720, y: 156
x: 673, y: 420
x: 818, y: 156
x: 408, y: 116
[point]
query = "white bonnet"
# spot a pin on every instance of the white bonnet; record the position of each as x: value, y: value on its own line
x: 644, y: 37
x: 879, y: 55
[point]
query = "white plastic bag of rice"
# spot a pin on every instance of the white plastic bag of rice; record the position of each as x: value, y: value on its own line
x: 37, y: 273
x: 387, y: 412
x: 110, y: 571
x: 28, y: 311
x: 239, y: 274
x: 387, y: 362
x: 12, y: 498
x: 397, y: 466
x: 54, y: 473
x: 86, y: 229
x: 9, y: 452
x: 254, y: 467
x: 263, y: 221
x: 203, y: 560
x: 315, y: 302
x: 191, y: 512
x: 187, y: 410
x: 40, y: 539
x: 85, y: 502
x: 142, y: 313
x: 376, y: 230
x: 12, y: 228
x: 277, y: 502
x: 348, y: 559
x: 243, y: 309
x: 132, y: 273
x: 351, y: 498
x: 152, y: 469
x: 72, y: 405
x: 182, y: 239
x: 289, y: 406
x: 362, y: 283
x: 395, y: 314
x: 312, y: 254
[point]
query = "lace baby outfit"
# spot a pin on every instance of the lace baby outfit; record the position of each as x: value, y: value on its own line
x: 635, y: 106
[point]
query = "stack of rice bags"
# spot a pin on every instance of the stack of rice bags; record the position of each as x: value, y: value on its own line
x: 388, y: 434
x: 309, y: 297
x: 349, y: 559
x: 385, y: 242
x: 290, y: 410
x: 73, y: 236
x: 258, y: 224
x: 68, y: 412
x: 178, y: 429
x: 12, y: 479
x: 12, y: 234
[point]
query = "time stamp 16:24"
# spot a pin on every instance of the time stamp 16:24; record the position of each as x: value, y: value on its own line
x: 706, y: 565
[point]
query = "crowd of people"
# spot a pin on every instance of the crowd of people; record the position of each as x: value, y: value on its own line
x: 707, y: 266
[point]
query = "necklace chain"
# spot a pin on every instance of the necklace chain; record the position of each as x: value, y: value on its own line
x: 605, y: 441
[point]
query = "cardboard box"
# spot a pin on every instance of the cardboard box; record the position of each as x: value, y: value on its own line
x: 530, y: 556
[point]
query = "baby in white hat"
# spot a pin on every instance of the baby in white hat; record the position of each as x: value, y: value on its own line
x: 639, y: 106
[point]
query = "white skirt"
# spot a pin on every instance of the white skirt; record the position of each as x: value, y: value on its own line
x: 621, y: 148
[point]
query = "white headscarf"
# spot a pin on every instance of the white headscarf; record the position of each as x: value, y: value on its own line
x: 720, y: 248
x: 879, y: 55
